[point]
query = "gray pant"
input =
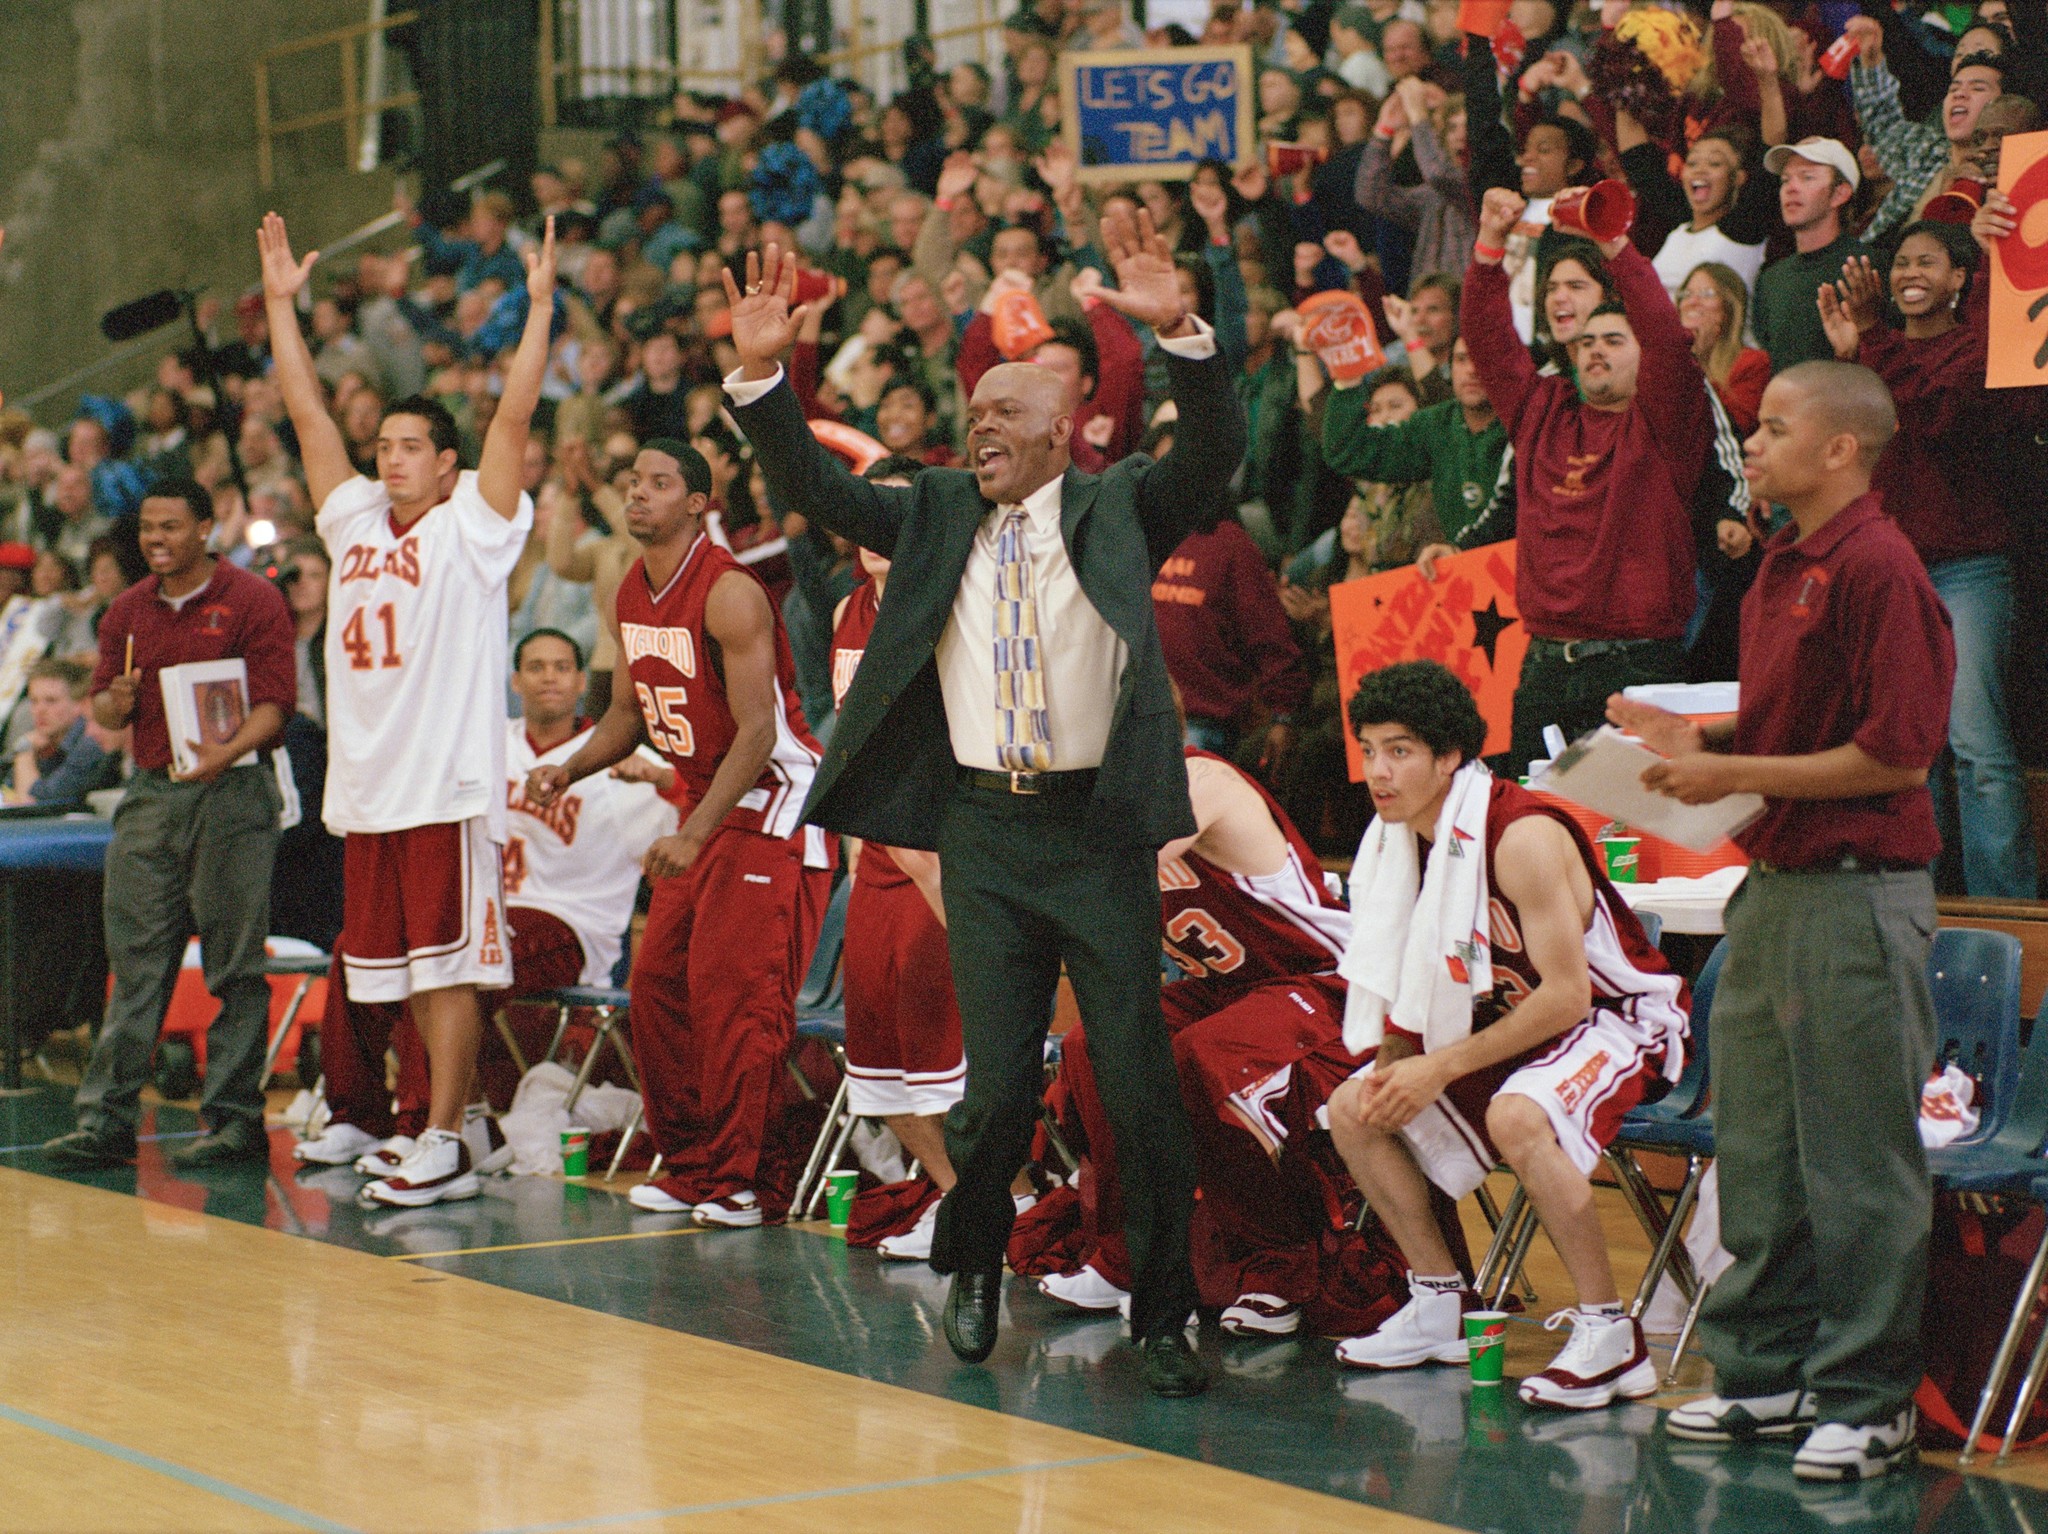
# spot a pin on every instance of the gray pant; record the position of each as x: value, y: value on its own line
x: 1821, y: 1036
x: 186, y: 858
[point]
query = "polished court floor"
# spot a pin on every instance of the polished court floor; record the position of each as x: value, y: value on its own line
x: 249, y: 1349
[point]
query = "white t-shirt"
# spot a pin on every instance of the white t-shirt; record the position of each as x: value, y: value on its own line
x: 416, y: 658
x: 579, y: 858
x: 1683, y: 250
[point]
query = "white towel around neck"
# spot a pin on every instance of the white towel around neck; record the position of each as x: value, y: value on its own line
x: 1420, y: 960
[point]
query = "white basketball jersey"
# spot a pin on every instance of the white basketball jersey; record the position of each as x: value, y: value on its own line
x: 578, y: 858
x: 416, y: 658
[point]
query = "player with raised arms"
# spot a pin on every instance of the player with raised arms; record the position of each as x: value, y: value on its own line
x: 416, y: 666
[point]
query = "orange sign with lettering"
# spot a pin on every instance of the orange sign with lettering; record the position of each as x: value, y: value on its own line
x: 1466, y: 618
x: 2019, y: 269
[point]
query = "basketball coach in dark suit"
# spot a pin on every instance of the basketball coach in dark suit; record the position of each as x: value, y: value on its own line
x: 1013, y: 712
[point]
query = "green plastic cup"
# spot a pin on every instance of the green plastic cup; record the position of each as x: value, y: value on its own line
x: 839, y: 1191
x: 1486, y: 1341
x: 575, y: 1152
x: 1623, y: 857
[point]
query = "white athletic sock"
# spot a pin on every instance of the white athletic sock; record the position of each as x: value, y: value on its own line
x: 1453, y: 1284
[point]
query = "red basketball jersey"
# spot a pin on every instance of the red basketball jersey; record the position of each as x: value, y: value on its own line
x: 682, y: 696
x: 1246, y: 929
x: 849, y: 642
x: 1629, y: 974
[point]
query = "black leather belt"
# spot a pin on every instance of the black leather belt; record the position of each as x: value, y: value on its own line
x: 1079, y: 781
x: 1585, y: 649
x: 1847, y: 863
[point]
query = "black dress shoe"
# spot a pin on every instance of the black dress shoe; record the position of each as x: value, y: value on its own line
x: 86, y: 1149
x: 1172, y: 1367
x: 971, y: 1315
x: 234, y: 1142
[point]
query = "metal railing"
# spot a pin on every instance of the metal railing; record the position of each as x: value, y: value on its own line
x: 354, y: 113
x: 155, y: 342
x: 647, y: 78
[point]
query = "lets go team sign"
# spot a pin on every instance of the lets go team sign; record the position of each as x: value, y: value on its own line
x: 1156, y: 113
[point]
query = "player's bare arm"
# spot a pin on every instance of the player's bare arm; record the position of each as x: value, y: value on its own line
x: 321, y: 448
x: 615, y: 737
x: 504, y: 452
x: 740, y: 622
x: 1539, y: 872
x: 1233, y: 828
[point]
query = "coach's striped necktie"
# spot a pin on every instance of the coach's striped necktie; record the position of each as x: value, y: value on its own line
x: 1023, y: 731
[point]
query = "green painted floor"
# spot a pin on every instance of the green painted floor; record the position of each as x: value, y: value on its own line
x: 1422, y: 1443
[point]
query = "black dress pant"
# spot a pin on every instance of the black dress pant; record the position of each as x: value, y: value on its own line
x: 1027, y: 888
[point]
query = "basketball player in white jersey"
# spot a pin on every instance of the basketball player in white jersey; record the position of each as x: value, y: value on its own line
x: 416, y: 663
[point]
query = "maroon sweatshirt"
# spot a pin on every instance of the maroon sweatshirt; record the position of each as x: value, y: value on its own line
x: 1933, y: 476
x: 1225, y: 633
x: 1603, y: 527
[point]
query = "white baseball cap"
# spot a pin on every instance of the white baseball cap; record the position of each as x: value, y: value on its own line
x: 1831, y: 152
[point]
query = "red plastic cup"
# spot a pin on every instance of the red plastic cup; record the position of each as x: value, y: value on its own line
x: 812, y: 286
x: 1604, y: 211
x: 1510, y: 47
x: 1957, y: 205
x: 1840, y: 55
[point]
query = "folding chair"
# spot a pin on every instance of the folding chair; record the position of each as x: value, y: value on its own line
x: 1514, y: 1227
x: 308, y: 967
x: 612, y: 1018
x: 821, y: 1016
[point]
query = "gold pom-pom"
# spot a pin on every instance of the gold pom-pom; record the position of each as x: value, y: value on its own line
x: 1668, y: 40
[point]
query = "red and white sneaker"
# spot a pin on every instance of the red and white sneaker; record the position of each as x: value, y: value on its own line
x: 436, y: 1172
x: 736, y: 1211
x: 1261, y: 1315
x: 386, y: 1157
x: 338, y: 1146
x: 1605, y: 1361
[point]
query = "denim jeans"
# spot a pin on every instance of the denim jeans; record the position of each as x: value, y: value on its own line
x: 1991, y: 789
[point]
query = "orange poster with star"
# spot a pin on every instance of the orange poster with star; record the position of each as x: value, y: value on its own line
x: 1466, y: 618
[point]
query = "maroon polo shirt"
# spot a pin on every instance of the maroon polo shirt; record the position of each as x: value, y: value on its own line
x: 234, y: 613
x: 1843, y: 639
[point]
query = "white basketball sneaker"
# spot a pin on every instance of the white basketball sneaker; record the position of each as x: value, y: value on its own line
x: 1837, y: 1451
x: 1737, y: 1419
x: 1429, y: 1329
x: 915, y: 1244
x: 339, y: 1145
x: 387, y: 1157
x: 1261, y: 1315
x: 436, y: 1172
x: 1604, y: 1361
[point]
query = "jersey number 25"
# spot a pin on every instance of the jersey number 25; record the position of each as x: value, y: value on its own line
x: 668, y: 727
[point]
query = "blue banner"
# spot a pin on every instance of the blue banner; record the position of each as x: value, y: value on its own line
x: 1160, y: 110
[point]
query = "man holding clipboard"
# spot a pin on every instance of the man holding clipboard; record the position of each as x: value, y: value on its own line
x: 192, y: 847
x: 1823, y: 1027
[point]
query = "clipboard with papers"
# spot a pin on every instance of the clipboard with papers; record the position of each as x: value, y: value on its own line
x: 1603, y: 771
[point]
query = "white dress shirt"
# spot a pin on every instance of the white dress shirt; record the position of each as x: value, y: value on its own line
x: 1083, y: 656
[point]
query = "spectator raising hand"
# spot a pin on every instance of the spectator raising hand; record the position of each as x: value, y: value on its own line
x: 1851, y: 306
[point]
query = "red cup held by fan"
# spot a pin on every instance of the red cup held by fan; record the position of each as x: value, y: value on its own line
x: 1840, y: 55
x: 1957, y: 205
x: 1604, y: 211
x: 812, y: 286
x: 1284, y: 159
x: 1510, y: 47
x: 1019, y: 324
x: 1337, y: 328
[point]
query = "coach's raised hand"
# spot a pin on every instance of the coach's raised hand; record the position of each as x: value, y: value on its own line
x: 1147, y: 286
x: 766, y: 317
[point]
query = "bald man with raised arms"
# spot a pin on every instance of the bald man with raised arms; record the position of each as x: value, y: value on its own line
x: 1012, y: 712
x: 1823, y: 1026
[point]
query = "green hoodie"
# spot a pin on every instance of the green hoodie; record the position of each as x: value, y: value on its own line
x: 1434, y: 444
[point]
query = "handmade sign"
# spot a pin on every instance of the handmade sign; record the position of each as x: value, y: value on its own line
x: 1157, y: 113
x: 1466, y: 619
x: 2019, y: 269
x: 1337, y: 327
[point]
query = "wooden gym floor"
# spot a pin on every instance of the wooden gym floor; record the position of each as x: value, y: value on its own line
x: 249, y: 1349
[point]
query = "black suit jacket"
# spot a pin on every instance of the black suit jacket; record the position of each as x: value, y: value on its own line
x: 889, y: 769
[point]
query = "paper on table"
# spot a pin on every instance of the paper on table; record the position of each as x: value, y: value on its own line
x: 1604, y: 771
